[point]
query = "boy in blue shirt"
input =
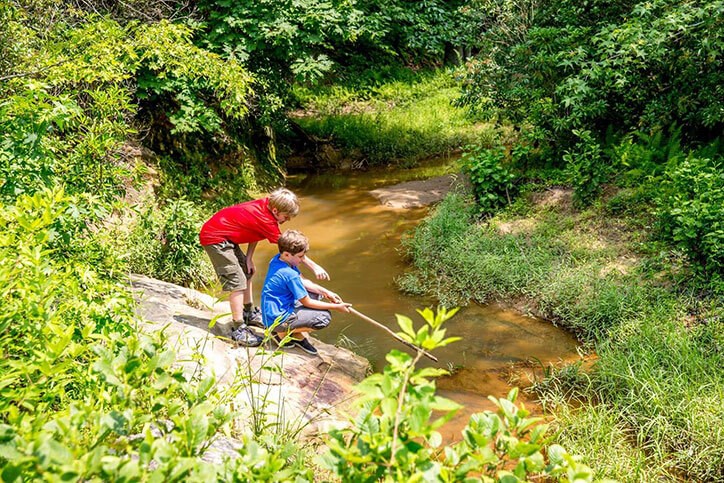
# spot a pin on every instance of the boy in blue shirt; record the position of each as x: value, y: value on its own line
x: 292, y: 300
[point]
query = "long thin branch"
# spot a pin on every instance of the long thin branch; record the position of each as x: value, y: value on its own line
x: 400, y: 401
x: 32, y: 73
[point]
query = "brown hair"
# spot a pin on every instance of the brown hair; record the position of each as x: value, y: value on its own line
x: 293, y: 241
x: 284, y: 201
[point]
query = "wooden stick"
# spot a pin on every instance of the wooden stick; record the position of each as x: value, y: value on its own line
x: 393, y: 334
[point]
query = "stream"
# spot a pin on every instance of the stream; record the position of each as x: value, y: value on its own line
x: 357, y: 240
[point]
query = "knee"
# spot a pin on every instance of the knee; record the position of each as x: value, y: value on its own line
x: 321, y: 320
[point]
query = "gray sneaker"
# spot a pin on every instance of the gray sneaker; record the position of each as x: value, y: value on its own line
x: 306, y: 346
x: 253, y: 317
x: 244, y: 336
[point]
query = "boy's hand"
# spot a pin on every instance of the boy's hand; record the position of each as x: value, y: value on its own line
x: 320, y: 273
x: 344, y: 307
x: 333, y: 297
x: 250, y: 267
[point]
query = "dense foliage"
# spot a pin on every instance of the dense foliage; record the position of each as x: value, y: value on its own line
x: 623, y: 93
x: 71, y: 101
x: 621, y: 101
x: 565, y: 65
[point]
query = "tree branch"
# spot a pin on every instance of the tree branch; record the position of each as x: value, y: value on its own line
x: 32, y: 73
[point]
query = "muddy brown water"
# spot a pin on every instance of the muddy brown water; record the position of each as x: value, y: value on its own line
x: 357, y: 241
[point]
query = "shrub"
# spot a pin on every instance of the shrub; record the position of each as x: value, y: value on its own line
x: 492, y: 182
x: 586, y: 168
x: 164, y: 244
x: 394, y: 436
x: 690, y: 213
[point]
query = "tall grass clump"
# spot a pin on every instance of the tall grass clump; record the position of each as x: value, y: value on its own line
x: 598, y: 434
x: 392, y: 121
x: 658, y: 375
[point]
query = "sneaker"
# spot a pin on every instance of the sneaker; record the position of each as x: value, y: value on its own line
x: 244, y: 336
x: 288, y: 343
x: 306, y: 346
x: 253, y: 317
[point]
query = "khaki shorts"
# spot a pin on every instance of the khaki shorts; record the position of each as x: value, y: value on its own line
x: 229, y: 264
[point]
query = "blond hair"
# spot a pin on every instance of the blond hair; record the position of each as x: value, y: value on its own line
x: 293, y: 241
x: 284, y: 201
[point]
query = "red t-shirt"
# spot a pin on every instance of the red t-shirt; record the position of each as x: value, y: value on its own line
x: 247, y: 222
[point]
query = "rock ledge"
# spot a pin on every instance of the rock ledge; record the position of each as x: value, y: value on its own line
x: 305, y: 392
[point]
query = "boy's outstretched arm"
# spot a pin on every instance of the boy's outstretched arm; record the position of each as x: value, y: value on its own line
x: 318, y: 289
x: 308, y: 301
x: 319, y: 272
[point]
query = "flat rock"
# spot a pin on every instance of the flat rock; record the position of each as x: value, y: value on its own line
x: 306, y: 394
x: 416, y: 194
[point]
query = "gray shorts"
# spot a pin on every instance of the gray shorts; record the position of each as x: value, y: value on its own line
x: 306, y: 318
x: 229, y: 264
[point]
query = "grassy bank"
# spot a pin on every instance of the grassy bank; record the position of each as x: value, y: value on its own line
x: 397, y: 117
x: 651, y: 405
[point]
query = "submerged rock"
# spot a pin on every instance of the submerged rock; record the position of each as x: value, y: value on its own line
x: 300, y: 393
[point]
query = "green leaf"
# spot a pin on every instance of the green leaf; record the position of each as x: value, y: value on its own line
x: 405, y: 324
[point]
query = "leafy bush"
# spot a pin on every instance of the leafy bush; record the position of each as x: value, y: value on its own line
x: 83, y: 395
x: 586, y: 168
x: 690, y: 212
x: 50, y: 138
x: 81, y: 90
x: 394, y: 436
x: 281, y: 40
x: 164, y: 243
x: 492, y: 182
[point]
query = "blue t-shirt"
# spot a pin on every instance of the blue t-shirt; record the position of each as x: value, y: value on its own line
x: 282, y: 288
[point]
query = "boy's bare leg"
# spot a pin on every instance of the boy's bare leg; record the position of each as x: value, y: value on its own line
x: 300, y: 332
x: 248, y: 296
x: 236, y: 301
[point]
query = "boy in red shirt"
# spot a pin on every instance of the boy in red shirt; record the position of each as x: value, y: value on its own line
x: 249, y: 223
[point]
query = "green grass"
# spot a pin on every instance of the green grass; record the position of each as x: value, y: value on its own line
x: 651, y: 405
x: 600, y: 438
x: 400, y: 120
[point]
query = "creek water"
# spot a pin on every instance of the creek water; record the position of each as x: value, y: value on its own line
x: 357, y: 241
